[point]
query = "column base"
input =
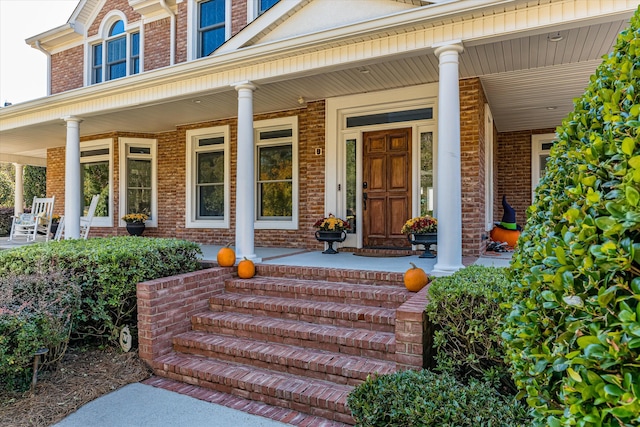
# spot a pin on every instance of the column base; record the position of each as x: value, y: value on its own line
x: 440, y: 270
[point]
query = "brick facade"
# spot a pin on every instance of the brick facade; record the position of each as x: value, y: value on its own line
x: 171, y: 163
x: 157, y: 36
x: 66, y: 70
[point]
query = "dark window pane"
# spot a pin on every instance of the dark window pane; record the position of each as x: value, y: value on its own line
x: 275, y: 199
x: 116, y: 28
x: 211, y: 13
x: 97, y: 54
x: 210, y: 168
x: 351, y: 184
x: 95, y: 180
x: 205, y: 142
x: 210, y: 201
x: 139, y: 150
x: 139, y: 173
x: 138, y: 201
x: 211, y: 40
x: 98, y: 152
x: 135, y: 44
x: 276, y: 163
x: 392, y: 117
x: 273, y: 134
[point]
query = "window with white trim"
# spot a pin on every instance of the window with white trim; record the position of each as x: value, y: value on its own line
x: 117, y: 54
x: 96, y: 178
x: 138, y: 178
x: 276, y: 173
x: 211, y: 26
x: 208, y: 178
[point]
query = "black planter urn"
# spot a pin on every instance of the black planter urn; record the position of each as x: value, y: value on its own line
x: 426, y: 239
x: 330, y: 237
x: 135, y: 228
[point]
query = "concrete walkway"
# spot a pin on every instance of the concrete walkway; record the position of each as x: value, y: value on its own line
x: 140, y: 405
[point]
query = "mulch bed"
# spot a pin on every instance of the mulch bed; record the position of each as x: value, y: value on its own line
x: 81, y: 376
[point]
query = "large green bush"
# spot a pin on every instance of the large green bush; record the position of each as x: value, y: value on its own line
x: 465, y: 309
x: 35, y: 183
x: 6, y: 218
x: 573, y: 328
x: 107, y: 270
x: 6, y: 190
x: 426, y: 399
x: 35, y: 312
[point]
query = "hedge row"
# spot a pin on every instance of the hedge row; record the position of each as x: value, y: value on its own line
x: 107, y: 271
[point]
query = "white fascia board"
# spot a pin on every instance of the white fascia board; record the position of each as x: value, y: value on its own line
x: 23, y: 160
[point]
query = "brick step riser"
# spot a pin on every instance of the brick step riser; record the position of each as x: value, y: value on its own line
x: 331, y: 404
x: 335, y: 368
x: 360, y: 317
x: 373, y: 350
x: 321, y: 293
x: 316, y: 318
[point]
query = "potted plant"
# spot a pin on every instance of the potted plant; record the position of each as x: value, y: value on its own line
x: 331, y: 229
x: 55, y: 222
x: 135, y: 223
x: 422, y: 230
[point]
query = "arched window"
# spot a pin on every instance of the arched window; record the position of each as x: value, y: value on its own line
x: 118, y: 55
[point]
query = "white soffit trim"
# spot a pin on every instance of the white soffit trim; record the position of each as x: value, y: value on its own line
x: 304, y: 56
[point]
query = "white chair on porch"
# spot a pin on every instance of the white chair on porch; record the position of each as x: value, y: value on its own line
x: 37, y: 222
x: 85, y: 223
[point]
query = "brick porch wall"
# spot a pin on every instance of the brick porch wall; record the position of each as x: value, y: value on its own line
x: 472, y: 146
x: 514, y: 171
x: 165, y: 307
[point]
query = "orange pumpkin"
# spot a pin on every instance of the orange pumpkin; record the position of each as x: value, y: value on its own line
x: 415, y: 278
x: 246, y: 269
x: 502, y: 235
x: 226, y: 256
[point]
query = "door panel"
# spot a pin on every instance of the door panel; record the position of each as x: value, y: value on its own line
x: 386, y: 187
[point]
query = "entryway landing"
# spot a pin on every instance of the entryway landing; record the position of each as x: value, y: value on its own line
x: 346, y: 259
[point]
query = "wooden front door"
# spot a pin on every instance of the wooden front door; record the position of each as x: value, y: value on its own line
x: 386, y: 187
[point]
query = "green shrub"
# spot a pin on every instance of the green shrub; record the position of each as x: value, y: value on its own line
x: 465, y: 310
x: 423, y: 399
x: 573, y: 331
x: 35, y: 312
x: 6, y: 218
x: 107, y: 270
x: 6, y: 189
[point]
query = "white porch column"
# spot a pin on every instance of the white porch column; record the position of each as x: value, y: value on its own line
x: 245, y: 199
x: 18, y: 195
x: 72, y: 188
x: 449, y: 191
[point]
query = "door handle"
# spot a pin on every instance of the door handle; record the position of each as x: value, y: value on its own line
x: 364, y: 201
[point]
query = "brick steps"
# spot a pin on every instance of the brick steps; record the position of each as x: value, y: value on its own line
x: 253, y: 407
x: 320, y: 364
x: 301, y: 345
x: 359, y: 342
x: 344, y: 293
x: 304, y: 394
x: 329, y: 313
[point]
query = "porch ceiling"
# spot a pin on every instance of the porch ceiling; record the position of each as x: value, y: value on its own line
x: 522, y: 77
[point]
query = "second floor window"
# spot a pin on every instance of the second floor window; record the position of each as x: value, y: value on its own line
x: 110, y: 57
x: 211, y: 26
x: 264, y: 5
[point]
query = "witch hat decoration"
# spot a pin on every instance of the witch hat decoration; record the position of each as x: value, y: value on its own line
x: 509, y: 217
